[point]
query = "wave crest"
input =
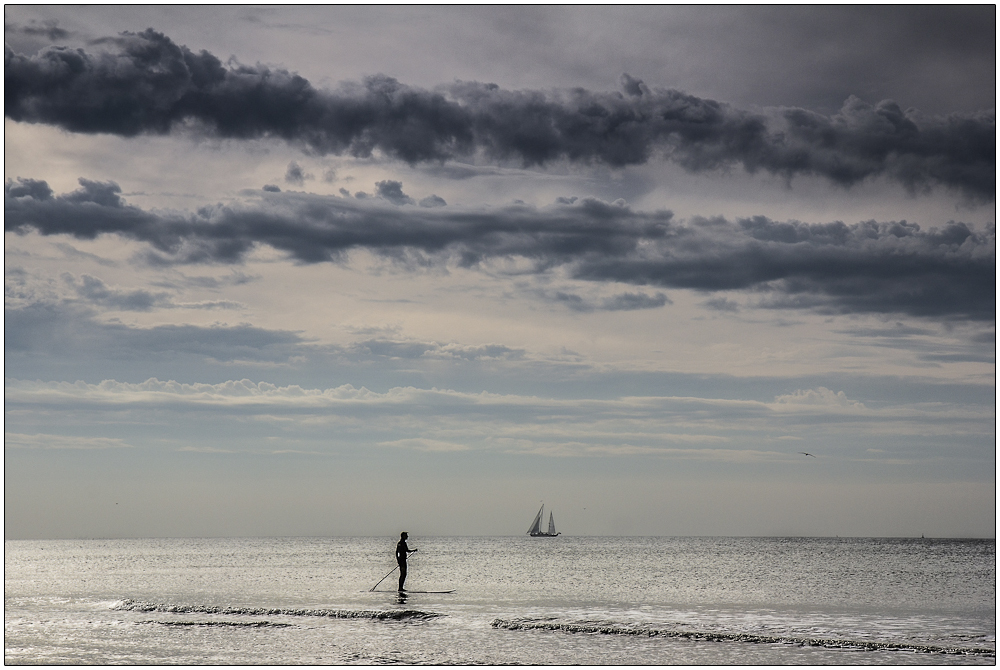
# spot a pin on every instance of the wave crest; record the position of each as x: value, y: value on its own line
x: 141, y: 606
x: 232, y: 624
x: 618, y: 629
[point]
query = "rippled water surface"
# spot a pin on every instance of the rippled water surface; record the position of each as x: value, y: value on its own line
x: 519, y: 600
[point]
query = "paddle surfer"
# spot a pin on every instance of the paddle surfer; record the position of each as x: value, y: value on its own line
x: 402, y: 551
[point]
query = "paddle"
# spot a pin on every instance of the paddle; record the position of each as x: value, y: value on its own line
x: 383, y: 579
x: 387, y: 574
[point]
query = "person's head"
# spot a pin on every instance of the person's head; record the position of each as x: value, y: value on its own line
x: 403, y: 535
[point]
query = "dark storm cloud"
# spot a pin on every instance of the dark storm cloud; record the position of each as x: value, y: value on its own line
x: 144, y: 83
x: 880, y: 267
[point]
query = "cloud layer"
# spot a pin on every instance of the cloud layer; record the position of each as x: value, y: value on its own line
x: 680, y: 427
x: 145, y: 83
x: 867, y: 267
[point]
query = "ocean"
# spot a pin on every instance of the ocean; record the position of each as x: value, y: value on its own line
x: 516, y: 600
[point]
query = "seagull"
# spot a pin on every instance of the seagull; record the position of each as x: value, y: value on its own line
x: 806, y: 453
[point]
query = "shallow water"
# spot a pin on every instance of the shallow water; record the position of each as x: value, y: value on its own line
x: 564, y: 600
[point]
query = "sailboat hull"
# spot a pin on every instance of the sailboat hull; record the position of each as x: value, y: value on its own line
x: 536, y: 529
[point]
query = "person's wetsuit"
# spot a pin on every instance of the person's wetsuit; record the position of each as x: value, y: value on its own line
x: 401, y: 553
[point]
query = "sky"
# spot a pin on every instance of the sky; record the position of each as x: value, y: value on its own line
x: 334, y: 271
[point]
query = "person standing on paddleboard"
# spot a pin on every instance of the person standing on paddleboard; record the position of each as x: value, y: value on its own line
x: 402, y: 551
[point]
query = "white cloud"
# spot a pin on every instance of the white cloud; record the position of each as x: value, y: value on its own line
x: 818, y: 397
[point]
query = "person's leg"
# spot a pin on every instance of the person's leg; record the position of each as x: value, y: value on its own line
x: 402, y: 575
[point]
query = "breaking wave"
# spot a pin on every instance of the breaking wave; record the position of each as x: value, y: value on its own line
x: 233, y: 624
x: 142, y: 606
x: 617, y: 629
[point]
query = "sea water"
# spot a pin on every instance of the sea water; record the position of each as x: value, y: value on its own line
x: 517, y: 600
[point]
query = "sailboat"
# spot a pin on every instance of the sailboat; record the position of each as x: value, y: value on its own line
x: 536, y: 530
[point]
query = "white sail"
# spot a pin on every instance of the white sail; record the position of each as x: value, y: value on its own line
x: 536, y: 524
x: 552, y: 525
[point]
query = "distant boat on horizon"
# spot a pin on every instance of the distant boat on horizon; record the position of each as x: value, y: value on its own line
x: 536, y: 531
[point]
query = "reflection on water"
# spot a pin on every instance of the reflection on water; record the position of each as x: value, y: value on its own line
x: 559, y: 601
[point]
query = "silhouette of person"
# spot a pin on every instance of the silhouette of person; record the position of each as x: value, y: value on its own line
x: 402, y: 551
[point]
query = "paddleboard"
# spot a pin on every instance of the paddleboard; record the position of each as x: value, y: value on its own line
x: 409, y: 591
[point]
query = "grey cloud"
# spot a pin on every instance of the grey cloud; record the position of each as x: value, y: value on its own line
x: 632, y: 301
x: 235, y: 278
x: 49, y: 29
x: 880, y: 267
x: 488, y: 351
x: 271, y: 188
x: 68, y: 340
x: 433, y: 201
x: 46, y: 328
x: 722, y: 305
x: 936, y: 55
x: 96, y: 208
x: 617, y: 303
x: 925, y: 343
x: 573, y: 301
x: 633, y: 87
x: 295, y: 175
x: 392, y: 349
x: 209, y: 304
x: 31, y: 188
x: 60, y: 341
x: 460, y: 171
x: 959, y: 358
x: 73, y: 252
x: 393, y: 192
x: 897, y: 330
x: 412, y: 350
x: 145, y: 83
x: 93, y: 290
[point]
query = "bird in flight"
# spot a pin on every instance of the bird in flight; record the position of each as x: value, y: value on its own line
x: 806, y: 453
